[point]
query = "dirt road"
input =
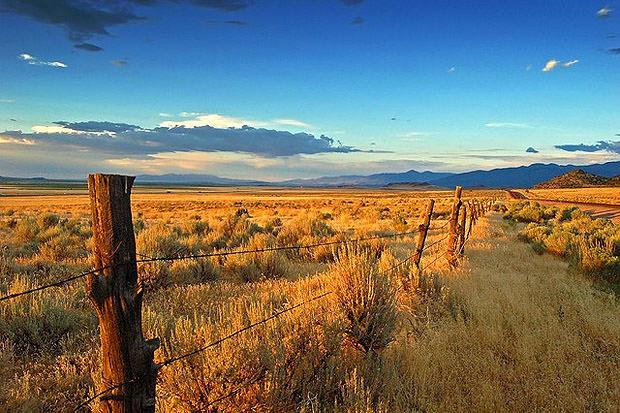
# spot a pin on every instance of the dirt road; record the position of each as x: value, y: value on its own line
x: 611, y: 212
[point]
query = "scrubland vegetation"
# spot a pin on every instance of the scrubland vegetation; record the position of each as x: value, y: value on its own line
x: 592, y: 246
x: 510, y: 330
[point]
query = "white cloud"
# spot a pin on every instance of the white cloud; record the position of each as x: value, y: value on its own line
x: 7, y: 100
x: 508, y: 125
x: 222, y: 121
x: 292, y: 122
x: 15, y: 141
x: 604, y: 12
x: 550, y: 65
x: 213, y: 119
x: 528, y: 68
x: 452, y: 69
x: 61, y: 129
x: 413, y: 136
x: 32, y: 60
x: 165, y: 115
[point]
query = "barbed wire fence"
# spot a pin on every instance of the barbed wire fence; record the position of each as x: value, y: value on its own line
x: 113, y: 228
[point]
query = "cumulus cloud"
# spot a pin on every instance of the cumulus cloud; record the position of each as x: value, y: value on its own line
x: 608, y: 146
x: 508, y: 125
x: 35, y: 61
x: 115, y: 139
x: 88, y: 47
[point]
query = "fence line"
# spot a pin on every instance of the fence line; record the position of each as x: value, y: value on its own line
x: 148, y: 259
x: 116, y: 291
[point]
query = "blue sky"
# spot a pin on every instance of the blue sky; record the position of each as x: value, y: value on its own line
x: 324, y: 87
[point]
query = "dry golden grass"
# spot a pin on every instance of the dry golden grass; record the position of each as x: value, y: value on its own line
x: 507, y: 331
x: 609, y: 196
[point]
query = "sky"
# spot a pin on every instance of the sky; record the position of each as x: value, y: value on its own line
x: 280, y: 89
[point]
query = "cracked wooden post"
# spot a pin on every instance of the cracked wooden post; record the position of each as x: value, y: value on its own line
x: 127, y: 358
x: 462, y: 221
x: 453, y: 228
x: 423, y: 231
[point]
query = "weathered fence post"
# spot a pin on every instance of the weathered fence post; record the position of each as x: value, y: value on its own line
x: 423, y: 231
x: 129, y: 373
x: 462, y: 221
x: 472, y: 220
x: 454, y: 223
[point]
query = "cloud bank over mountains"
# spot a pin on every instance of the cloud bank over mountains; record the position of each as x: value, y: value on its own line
x: 113, y: 138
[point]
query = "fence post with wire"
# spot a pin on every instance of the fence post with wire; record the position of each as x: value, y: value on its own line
x: 453, y: 228
x: 423, y: 228
x: 129, y: 373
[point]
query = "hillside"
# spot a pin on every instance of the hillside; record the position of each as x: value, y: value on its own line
x: 578, y: 178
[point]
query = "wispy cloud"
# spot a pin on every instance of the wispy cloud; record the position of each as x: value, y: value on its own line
x: 550, y: 65
x: 452, y: 69
x: 292, y: 122
x: 15, y: 141
x: 604, y: 12
x: 508, y: 125
x: 119, y: 62
x: 223, y: 121
x: 35, y: 61
x: 413, y: 136
x: 7, y: 100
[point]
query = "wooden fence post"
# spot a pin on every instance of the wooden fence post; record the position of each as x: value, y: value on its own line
x: 127, y: 358
x: 462, y: 221
x: 454, y: 223
x: 423, y: 231
x: 472, y: 220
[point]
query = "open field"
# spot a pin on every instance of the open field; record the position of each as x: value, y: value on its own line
x: 525, y: 320
x: 609, y: 196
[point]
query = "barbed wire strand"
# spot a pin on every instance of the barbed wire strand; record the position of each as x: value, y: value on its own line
x: 229, y: 336
x: 432, y: 244
x: 197, y: 256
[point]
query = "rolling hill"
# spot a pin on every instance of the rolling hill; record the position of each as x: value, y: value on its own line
x: 578, y: 178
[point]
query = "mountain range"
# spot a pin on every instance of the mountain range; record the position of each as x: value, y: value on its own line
x: 514, y: 177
